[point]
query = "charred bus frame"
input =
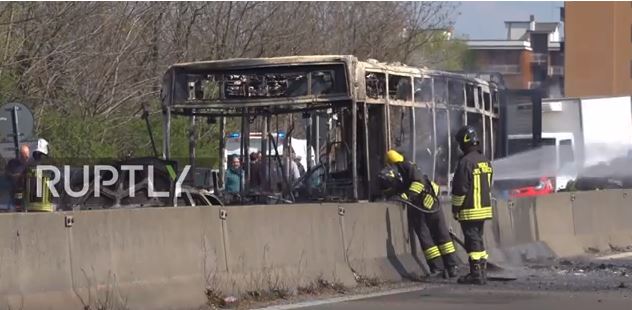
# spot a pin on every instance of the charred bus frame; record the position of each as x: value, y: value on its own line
x: 366, y: 97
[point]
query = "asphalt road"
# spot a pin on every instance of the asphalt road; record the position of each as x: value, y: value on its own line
x: 447, y: 298
x: 591, y: 284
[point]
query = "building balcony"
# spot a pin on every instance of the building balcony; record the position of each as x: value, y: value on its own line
x: 504, y: 69
x: 556, y: 70
x: 539, y: 58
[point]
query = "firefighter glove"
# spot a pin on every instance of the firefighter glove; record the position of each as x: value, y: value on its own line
x: 404, y: 196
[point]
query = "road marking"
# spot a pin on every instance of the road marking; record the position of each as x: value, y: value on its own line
x: 615, y: 256
x: 342, y: 299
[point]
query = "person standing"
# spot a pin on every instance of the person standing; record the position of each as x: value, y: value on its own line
x: 16, y: 171
x: 256, y: 170
x: 472, y: 202
x: 234, y: 176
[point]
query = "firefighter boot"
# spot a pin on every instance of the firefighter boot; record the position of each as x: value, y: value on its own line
x: 483, y: 263
x: 452, y: 272
x: 474, y: 277
x: 436, y: 267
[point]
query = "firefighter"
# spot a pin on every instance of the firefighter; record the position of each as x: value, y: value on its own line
x: 42, y: 202
x: 429, y: 225
x: 471, y: 202
x: 41, y: 151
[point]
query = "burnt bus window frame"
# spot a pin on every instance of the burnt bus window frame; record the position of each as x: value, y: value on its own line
x: 425, y: 138
x: 400, y: 131
x: 475, y: 118
x: 422, y: 89
x: 399, y: 87
x: 487, y: 105
x: 183, y: 78
x: 456, y: 94
x: 497, y: 138
x: 440, y: 90
x: 479, y: 97
x: 469, y: 95
x: 457, y: 120
x: 379, y: 82
x: 256, y: 86
x: 442, y: 145
x: 495, y: 102
x: 487, y: 134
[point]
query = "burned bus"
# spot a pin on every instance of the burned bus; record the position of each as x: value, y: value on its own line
x: 349, y: 112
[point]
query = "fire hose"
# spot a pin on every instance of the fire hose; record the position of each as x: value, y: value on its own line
x: 456, y: 239
x: 410, y: 204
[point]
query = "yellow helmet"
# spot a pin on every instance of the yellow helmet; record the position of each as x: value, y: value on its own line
x: 394, y: 157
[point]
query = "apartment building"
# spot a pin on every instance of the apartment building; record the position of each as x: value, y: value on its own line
x: 531, y: 56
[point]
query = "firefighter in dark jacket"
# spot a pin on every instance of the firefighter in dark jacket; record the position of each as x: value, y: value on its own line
x: 405, y: 179
x: 471, y: 201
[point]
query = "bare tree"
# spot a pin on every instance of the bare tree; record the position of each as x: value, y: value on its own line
x: 102, y: 59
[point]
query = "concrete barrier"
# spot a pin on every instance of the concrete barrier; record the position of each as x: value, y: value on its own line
x: 133, y: 254
x: 573, y: 223
x: 137, y: 258
x: 555, y: 225
x: 284, y: 246
x: 383, y: 248
x: 602, y: 219
x: 502, y: 217
x: 34, y: 262
x: 511, y: 237
x: 522, y: 219
x: 165, y: 258
x: 622, y: 237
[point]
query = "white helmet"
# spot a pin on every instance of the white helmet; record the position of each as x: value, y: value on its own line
x: 42, y: 146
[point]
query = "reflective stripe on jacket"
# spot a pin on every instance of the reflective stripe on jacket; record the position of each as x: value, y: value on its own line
x: 471, y: 188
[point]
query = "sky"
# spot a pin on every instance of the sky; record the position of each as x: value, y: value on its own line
x: 485, y: 20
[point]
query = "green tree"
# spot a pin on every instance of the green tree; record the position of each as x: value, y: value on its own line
x: 442, y: 51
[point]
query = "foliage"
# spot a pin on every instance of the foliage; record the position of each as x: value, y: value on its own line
x: 85, y: 68
x: 74, y: 136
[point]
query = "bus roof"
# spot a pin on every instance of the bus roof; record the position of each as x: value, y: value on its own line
x: 236, y: 63
x: 370, y: 64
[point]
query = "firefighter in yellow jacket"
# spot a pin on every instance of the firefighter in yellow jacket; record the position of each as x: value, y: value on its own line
x: 39, y: 202
x: 404, y: 178
x: 471, y: 201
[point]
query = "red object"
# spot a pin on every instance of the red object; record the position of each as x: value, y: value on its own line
x: 544, y: 187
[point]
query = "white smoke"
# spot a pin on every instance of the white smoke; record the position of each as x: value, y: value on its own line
x: 598, y: 160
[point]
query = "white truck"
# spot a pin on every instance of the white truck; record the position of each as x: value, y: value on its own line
x: 555, y: 159
x: 602, y: 127
x: 577, y: 133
